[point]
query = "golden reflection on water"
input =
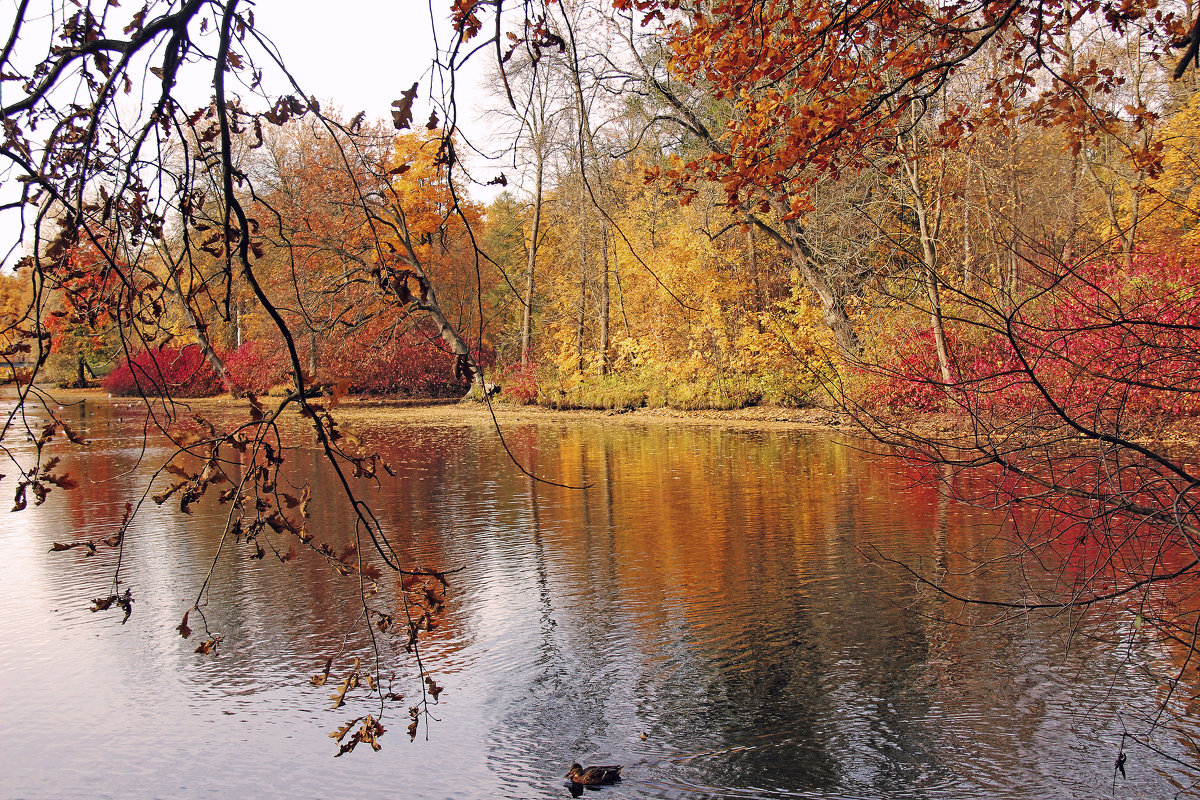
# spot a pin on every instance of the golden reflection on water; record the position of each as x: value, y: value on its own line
x: 703, y: 612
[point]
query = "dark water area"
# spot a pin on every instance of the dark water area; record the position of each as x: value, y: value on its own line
x: 702, y: 613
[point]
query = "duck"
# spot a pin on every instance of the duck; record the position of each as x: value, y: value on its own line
x: 594, y: 776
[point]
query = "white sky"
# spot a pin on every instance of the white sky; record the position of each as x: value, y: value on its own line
x: 361, y: 54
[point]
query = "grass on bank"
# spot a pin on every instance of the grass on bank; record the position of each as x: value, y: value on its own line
x: 625, y: 392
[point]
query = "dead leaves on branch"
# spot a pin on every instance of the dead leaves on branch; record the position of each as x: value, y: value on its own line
x: 91, y: 546
x: 77, y: 164
x: 463, y: 369
x: 369, y: 732
x: 353, y: 679
x: 345, y: 444
x: 183, y: 628
x: 122, y: 601
x: 264, y: 511
x: 194, y: 483
x: 397, y: 282
x: 39, y: 479
x: 828, y: 89
x: 424, y: 599
x: 209, y: 645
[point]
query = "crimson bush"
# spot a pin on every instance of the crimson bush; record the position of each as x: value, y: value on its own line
x: 1100, y: 338
x: 257, y: 366
x: 180, y: 372
x: 408, y: 365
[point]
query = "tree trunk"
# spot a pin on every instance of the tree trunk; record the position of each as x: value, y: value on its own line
x: 605, y: 303
x: 832, y: 306
x: 1010, y: 277
x: 531, y: 265
x: 427, y: 301
x: 752, y: 245
x: 581, y: 318
x: 312, y: 355
x: 929, y: 256
x: 450, y: 337
x: 200, y: 333
x: 968, y: 278
x: 939, y: 331
x: 1068, y: 251
x: 580, y: 364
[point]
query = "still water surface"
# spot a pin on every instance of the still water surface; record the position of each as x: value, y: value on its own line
x: 702, y: 614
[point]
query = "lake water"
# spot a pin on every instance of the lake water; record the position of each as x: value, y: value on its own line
x: 702, y: 614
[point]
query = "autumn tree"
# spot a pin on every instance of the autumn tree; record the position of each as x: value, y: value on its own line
x: 322, y: 260
x: 824, y: 92
x: 534, y: 85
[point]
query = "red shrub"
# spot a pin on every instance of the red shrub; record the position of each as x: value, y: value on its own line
x: 519, y: 384
x: 408, y: 365
x: 1099, y: 340
x: 257, y: 366
x: 180, y: 372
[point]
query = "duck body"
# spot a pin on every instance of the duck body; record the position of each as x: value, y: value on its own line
x: 594, y: 776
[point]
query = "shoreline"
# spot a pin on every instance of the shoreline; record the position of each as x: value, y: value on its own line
x: 750, y: 418
x: 432, y: 411
x: 1176, y: 432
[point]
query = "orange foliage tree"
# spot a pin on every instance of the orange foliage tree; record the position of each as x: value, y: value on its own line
x: 349, y: 280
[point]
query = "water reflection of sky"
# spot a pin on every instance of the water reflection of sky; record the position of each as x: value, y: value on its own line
x: 701, y: 614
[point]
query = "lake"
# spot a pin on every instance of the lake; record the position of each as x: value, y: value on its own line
x: 703, y: 613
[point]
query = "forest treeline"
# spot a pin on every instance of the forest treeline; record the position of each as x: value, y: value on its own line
x: 666, y: 238
x: 679, y: 240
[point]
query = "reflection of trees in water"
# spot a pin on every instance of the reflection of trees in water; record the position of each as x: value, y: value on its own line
x: 708, y: 590
x: 681, y: 616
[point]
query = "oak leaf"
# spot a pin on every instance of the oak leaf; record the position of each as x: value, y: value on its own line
x: 402, y: 108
